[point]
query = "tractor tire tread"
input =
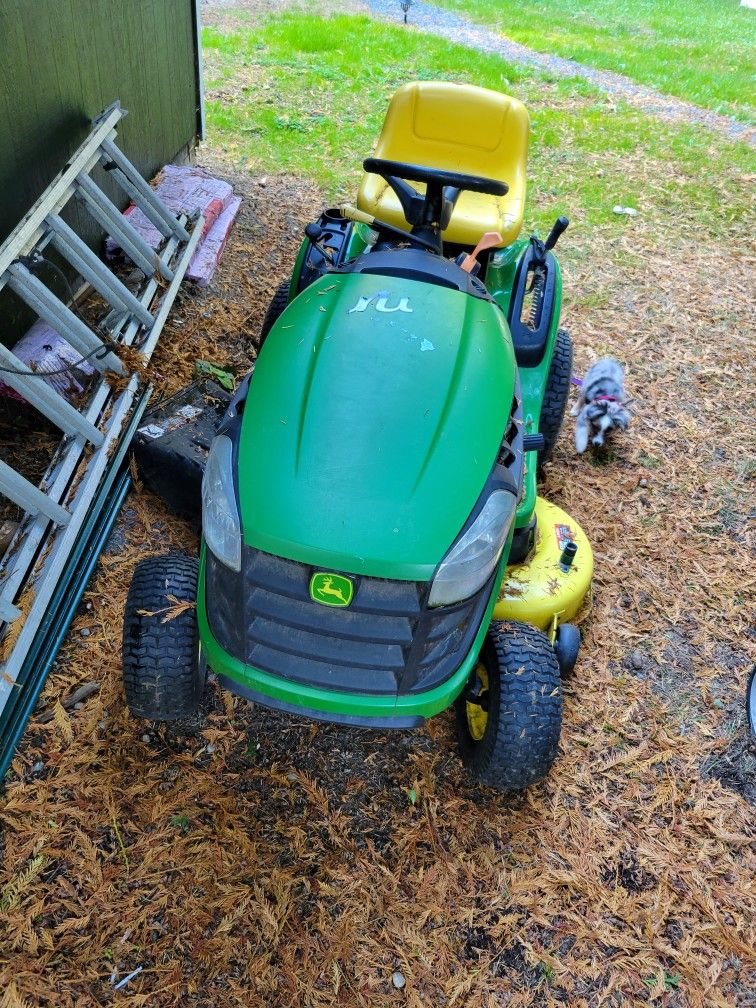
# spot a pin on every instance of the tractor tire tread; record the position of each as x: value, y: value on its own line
x: 160, y: 670
x: 555, y: 396
x: 276, y: 307
x: 521, y: 746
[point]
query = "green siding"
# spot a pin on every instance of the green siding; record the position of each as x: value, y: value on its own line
x: 63, y: 61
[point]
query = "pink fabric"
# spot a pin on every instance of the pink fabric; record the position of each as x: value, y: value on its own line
x: 184, y: 189
x: 42, y: 349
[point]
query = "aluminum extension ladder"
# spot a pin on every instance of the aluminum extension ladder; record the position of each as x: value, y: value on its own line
x: 56, y: 511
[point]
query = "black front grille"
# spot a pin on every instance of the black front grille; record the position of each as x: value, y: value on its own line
x: 386, y: 641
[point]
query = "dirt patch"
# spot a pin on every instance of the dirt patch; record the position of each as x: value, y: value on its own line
x: 735, y: 766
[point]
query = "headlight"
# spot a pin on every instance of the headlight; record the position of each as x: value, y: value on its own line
x: 470, y: 561
x: 220, y: 516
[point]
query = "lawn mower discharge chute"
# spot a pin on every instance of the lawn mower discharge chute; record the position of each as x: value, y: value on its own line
x: 373, y: 546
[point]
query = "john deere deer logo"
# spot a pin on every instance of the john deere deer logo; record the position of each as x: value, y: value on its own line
x: 331, y: 589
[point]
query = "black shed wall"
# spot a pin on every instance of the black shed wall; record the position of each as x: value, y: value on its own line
x: 62, y: 62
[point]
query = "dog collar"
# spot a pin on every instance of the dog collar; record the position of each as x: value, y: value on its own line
x: 605, y: 398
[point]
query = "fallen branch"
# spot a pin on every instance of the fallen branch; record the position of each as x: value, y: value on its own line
x: 79, y: 694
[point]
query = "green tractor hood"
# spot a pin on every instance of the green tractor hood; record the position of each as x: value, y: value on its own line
x: 373, y: 420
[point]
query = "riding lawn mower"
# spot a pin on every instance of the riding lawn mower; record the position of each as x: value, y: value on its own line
x: 373, y: 546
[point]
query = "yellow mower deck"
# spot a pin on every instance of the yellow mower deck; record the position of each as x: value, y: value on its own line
x: 538, y: 591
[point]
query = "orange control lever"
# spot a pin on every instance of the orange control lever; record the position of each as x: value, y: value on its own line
x: 489, y: 240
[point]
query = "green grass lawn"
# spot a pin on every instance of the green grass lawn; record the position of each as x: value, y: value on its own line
x: 308, y: 95
x: 703, y: 51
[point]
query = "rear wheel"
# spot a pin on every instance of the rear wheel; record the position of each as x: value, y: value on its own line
x: 163, y: 676
x: 555, y: 396
x: 275, y: 309
x: 509, y: 732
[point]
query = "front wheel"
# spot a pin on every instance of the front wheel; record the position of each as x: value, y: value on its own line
x: 163, y: 675
x: 509, y: 727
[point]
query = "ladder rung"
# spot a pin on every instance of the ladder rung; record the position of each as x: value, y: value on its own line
x: 108, y: 217
x: 136, y: 197
x: 162, y: 313
x: 126, y: 331
x: 65, y: 462
x: 39, y: 394
x: 83, y: 259
x: 127, y: 173
x: 27, y: 496
x: 145, y: 191
x: 8, y: 612
x: 62, y: 319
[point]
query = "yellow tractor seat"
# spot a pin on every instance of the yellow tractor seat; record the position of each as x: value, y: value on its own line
x: 461, y: 128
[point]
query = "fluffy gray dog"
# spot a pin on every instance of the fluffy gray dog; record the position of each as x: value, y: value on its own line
x: 602, y: 404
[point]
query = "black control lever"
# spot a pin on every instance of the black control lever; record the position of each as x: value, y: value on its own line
x: 539, y: 250
x: 560, y: 226
x: 314, y: 232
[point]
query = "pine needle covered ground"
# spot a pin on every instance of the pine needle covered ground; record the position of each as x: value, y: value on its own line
x: 268, y: 861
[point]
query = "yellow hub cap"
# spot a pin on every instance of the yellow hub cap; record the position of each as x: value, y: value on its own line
x: 477, y: 718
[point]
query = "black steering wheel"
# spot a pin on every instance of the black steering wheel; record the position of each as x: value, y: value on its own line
x: 434, y: 176
x: 429, y: 214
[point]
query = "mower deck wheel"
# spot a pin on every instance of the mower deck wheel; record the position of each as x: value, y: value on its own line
x: 567, y: 646
x: 555, y: 394
x: 163, y: 677
x: 509, y: 735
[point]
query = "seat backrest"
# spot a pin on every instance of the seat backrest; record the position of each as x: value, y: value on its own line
x: 457, y: 127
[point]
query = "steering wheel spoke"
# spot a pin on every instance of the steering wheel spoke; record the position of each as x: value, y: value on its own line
x: 411, y: 201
